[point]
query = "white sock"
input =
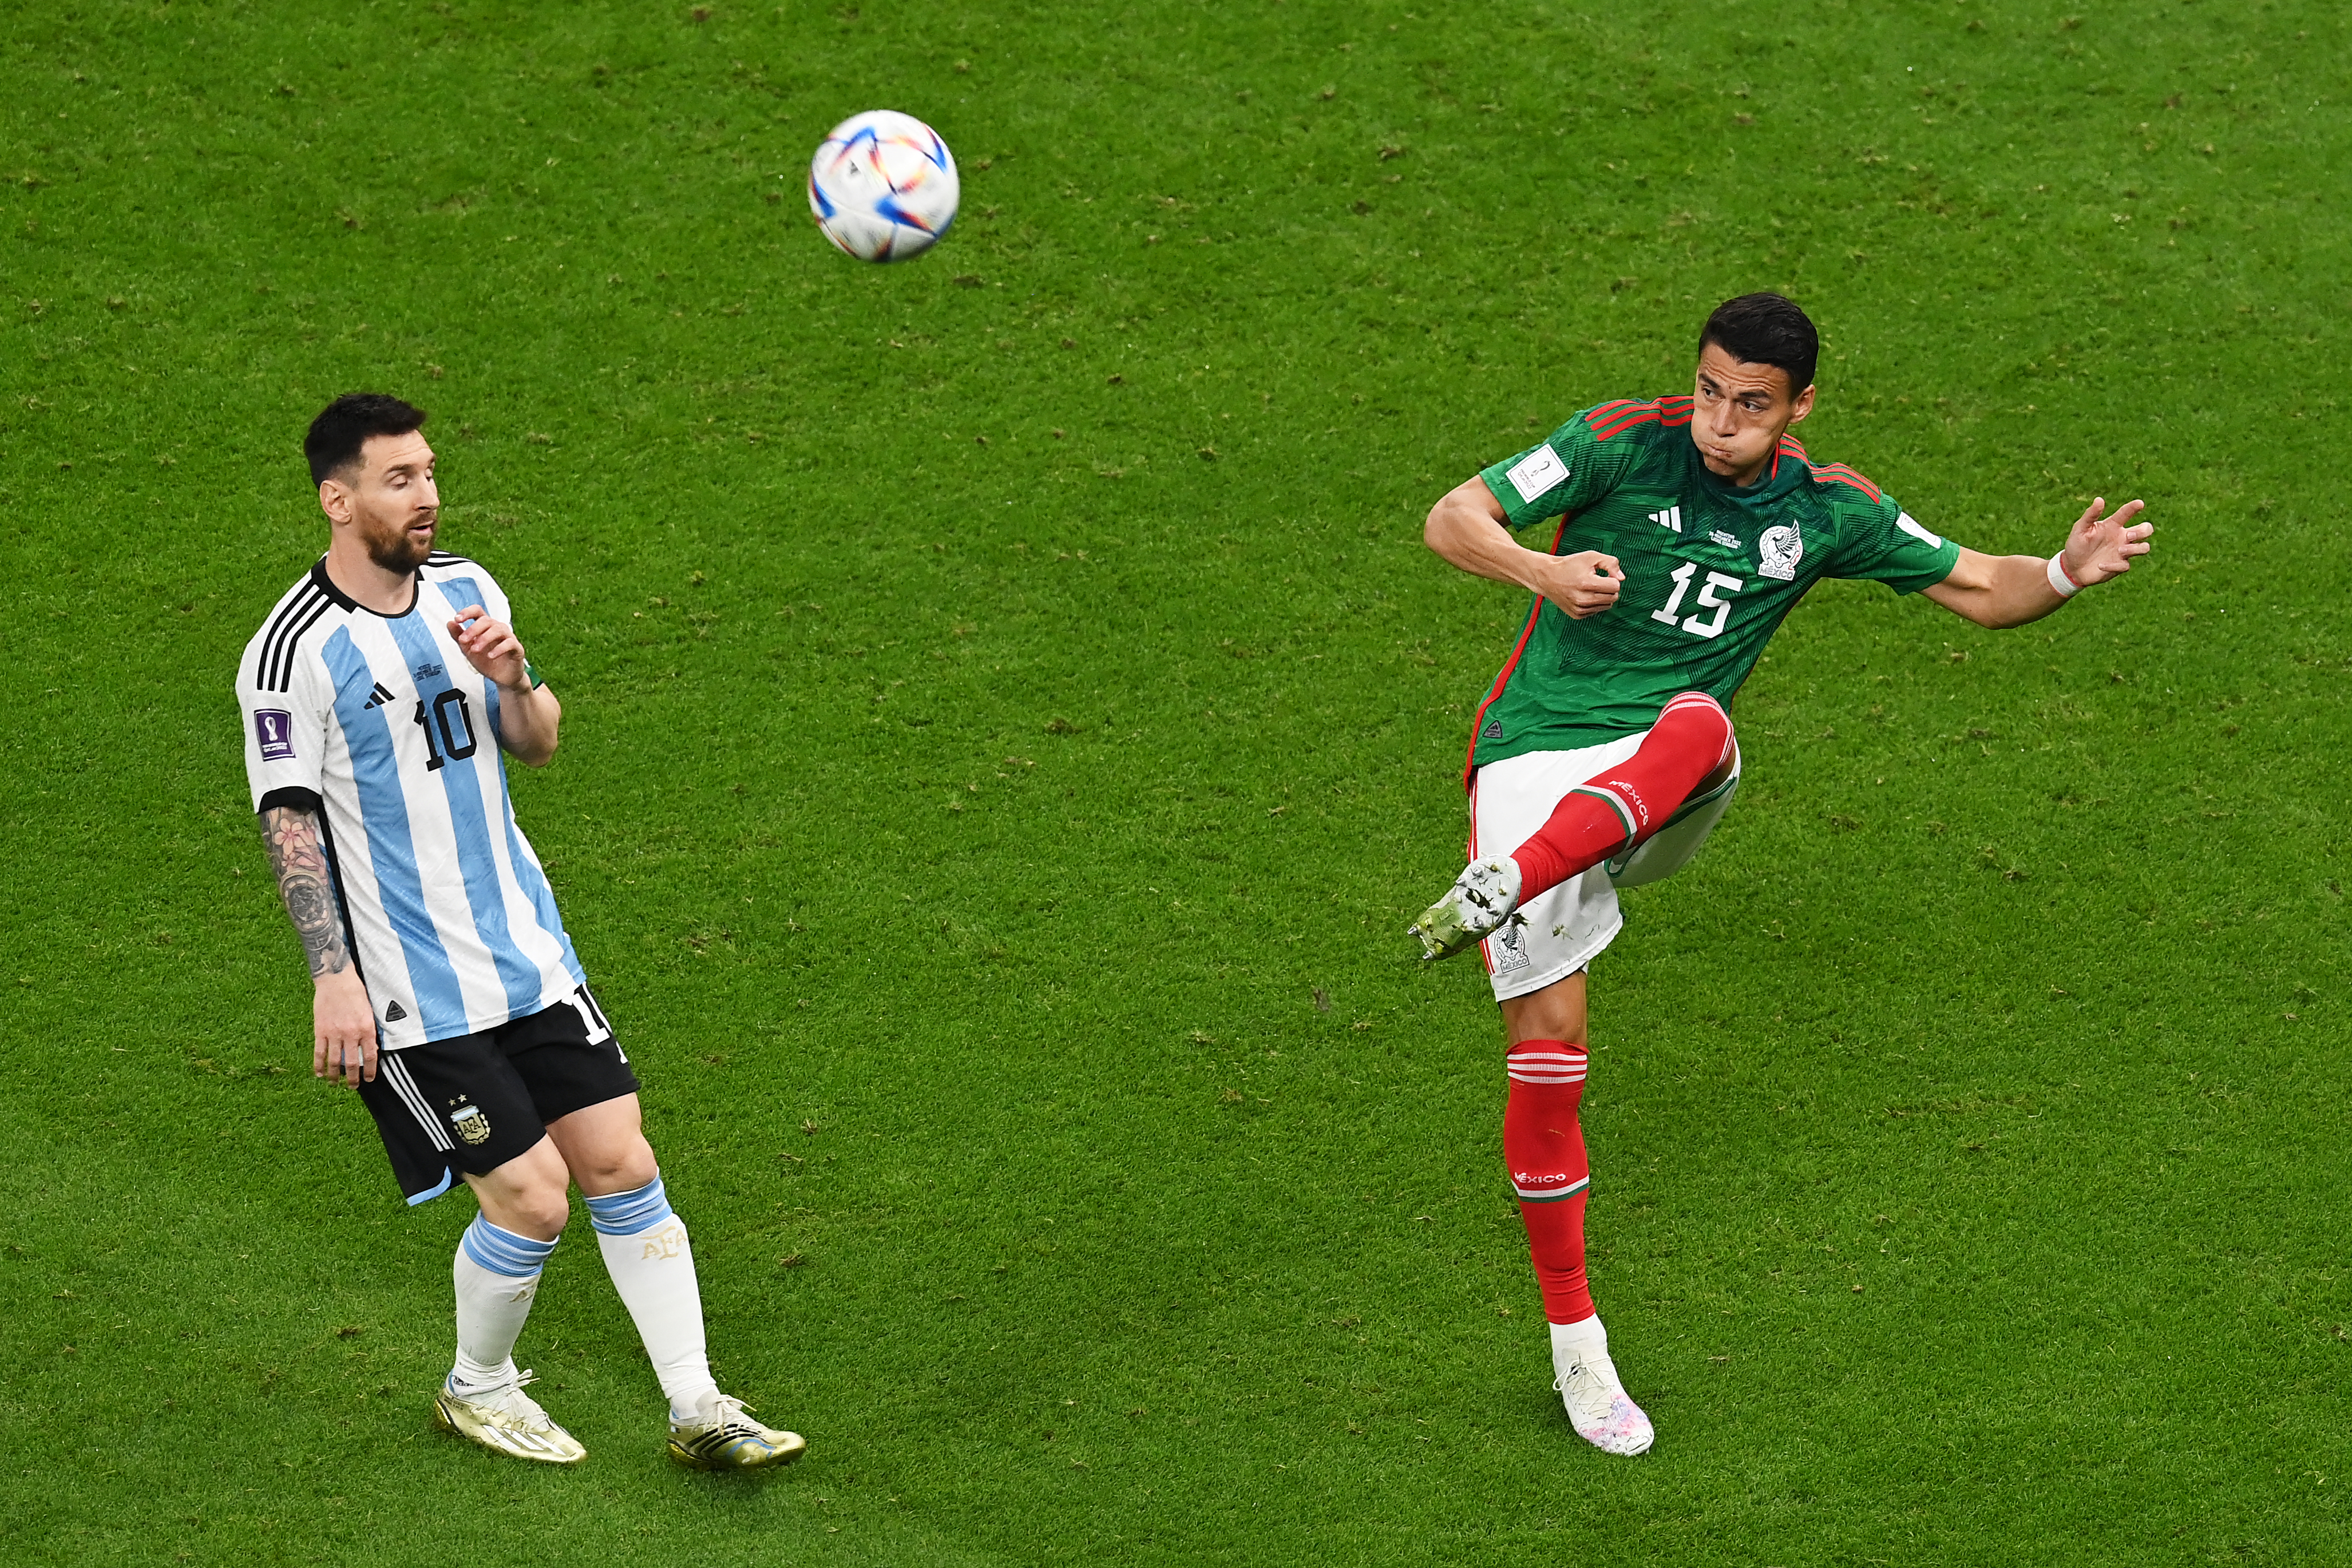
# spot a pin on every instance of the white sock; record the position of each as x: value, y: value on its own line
x: 1579, y: 1343
x: 651, y: 1260
x: 497, y: 1276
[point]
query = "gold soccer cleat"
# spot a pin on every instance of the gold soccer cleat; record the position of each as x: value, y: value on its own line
x: 507, y: 1421
x: 726, y: 1439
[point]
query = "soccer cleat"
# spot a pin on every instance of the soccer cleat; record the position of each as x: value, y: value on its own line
x: 1481, y: 902
x: 726, y: 1439
x: 506, y: 1420
x: 1599, y: 1409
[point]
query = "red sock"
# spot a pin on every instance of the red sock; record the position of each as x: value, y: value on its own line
x: 1627, y: 803
x: 1544, y: 1146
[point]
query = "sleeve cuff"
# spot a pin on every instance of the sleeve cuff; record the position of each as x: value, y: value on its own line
x: 291, y: 794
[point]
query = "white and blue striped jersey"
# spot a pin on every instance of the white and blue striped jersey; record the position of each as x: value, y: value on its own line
x: 379, y: 724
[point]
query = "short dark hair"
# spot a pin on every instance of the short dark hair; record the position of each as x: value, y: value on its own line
x: 1766, y: 329
x: 343, y: 426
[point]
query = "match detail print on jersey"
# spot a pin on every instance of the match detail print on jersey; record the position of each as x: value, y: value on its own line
x: 1710, y: 570
x: 380, y: 724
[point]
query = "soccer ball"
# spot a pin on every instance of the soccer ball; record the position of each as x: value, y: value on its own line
x: 883, y: 186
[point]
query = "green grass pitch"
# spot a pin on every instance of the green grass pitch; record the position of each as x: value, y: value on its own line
x: 1967, y: 1122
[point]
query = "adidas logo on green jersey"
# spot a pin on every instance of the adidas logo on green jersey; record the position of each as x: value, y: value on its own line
x: 1670, y: 518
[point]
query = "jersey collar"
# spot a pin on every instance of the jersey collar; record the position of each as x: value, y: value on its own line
x: 345, y: 602
x: 1783, y: 472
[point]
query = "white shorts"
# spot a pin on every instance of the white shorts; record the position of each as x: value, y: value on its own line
x: 1567, y: 927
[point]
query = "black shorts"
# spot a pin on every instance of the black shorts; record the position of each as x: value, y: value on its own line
x: 470, y: 1103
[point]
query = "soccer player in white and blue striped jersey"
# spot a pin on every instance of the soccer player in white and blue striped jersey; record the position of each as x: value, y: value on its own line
x: 378, y: 696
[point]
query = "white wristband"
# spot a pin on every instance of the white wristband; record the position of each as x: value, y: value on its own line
x: 2065, y: 587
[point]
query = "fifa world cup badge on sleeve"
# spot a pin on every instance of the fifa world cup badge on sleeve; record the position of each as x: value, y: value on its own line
x: 274, y: 728
x: 1537, y: 472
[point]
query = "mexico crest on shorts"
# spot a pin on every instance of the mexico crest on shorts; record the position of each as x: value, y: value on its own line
x: 1777, y: 553
x: 1508, y: 948
x: 470, y: 1123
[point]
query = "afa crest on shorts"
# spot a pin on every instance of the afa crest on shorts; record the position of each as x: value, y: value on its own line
x: 470, y: 1123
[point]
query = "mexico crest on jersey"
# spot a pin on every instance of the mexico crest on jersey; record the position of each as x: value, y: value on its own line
x: 1777, y: 553
x: 470, y: 1123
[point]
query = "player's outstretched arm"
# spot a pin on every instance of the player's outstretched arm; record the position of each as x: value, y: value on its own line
x: 2010, y: 590
x: 1466, y: 528
x: 342, y: 1020
x: 529, y: 714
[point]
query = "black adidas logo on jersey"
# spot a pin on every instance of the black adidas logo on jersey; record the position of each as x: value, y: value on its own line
x: 395, y: 1013
x: 378, y: 697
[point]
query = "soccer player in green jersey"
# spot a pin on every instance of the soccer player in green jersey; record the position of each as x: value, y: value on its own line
x: 1602, y: 756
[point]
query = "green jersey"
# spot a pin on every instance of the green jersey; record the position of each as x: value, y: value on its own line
x: 1710, y: 570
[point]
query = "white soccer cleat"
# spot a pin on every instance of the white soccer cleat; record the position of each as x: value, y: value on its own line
x: 1481, y: 902
x: 506, y: 1420
x: 1597, y: 1408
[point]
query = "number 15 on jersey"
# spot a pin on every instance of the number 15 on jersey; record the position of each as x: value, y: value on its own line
x: 1698, y: 625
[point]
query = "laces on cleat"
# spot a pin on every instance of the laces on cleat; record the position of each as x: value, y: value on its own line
x: 1601, y: 1411
x: 724, y: 1437
x: 507, y: 1420
x: 724, y: 1411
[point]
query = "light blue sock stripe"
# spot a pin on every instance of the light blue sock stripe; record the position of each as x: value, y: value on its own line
x: 504, y: 1252
x: 625, y: 1214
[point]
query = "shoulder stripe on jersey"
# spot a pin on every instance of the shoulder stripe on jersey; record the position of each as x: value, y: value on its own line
x: 275, y: 671
x: 295, y: 601
x: 1620, y: 418
x: 293, y: 641
x: 1840, y: 474
x: 445, y: 558
x: 1792, y: 447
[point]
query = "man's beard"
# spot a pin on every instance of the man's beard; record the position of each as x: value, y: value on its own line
x: 393, y: 550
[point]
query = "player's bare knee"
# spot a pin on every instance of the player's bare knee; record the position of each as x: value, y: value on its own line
x: 1555, y: 1013
x: 533, y: 1206
x: 550, y: 1208
x: 619, y: 1165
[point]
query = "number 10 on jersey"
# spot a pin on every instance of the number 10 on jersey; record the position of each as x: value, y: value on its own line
x: 1700, y: 624
x: 454, y: 717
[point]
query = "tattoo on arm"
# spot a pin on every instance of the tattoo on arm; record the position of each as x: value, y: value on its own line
x: 300, y: 862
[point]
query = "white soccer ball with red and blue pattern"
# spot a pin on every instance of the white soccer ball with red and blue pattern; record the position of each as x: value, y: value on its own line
x: 883, y: 186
